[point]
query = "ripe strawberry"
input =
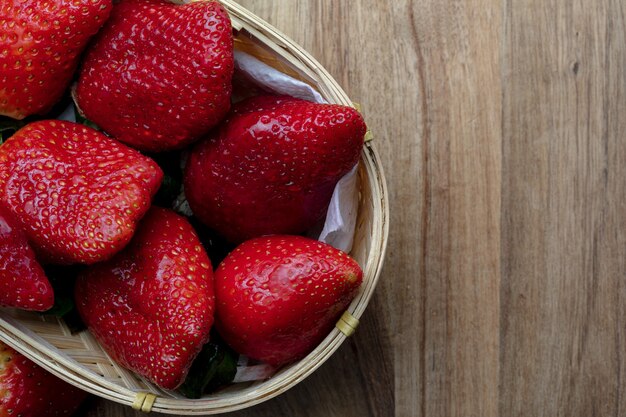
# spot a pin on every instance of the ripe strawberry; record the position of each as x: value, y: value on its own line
x: 272, y: 166
x: 151, y: 306
x: 23, y: 283
x: 27, y: 390
x: 279, y: 296
x: 77, y: 194
x: 158, y: 75
x: 40, y: 44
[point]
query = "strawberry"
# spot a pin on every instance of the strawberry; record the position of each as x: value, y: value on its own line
x: 158, y: 75
x: 76, y: 193
x: 272, y: 166
x: 151, y: 306
x: 23, y: 283
x: 279, y: 296
x: 27, y: 390
x: 40, y: 44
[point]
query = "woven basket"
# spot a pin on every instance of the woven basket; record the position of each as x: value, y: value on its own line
x: 79, y: 359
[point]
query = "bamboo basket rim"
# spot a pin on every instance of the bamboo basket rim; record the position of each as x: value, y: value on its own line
x: 69, y: 370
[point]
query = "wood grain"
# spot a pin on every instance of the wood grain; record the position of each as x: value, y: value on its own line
x: 501, y: 126
x: 562, y: 325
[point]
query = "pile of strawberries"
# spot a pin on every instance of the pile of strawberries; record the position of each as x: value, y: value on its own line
x: 156, y: 80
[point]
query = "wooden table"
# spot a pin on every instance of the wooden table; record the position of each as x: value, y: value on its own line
x: 502, y: 128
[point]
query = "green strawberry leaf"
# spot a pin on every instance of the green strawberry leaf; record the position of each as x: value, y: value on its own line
x: 6, y: 123
x: 63, y: 304
x: 215, y: 366
x: 83, y: 120
x: 202, y: 370
x: 226, y: 371
x: 8, y: 127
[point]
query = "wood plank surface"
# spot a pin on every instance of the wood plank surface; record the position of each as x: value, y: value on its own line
x: 502, y: 130
x: 563, y: 236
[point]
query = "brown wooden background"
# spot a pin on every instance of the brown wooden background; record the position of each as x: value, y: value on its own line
x: 502, y: 127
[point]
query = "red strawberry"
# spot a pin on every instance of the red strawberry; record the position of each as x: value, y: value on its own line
x: 272, y: 166
x: 77, y: 194
x: 40, y: 44
x: 159, y: 75
x: 23, y: 283
x: 151, y: 306
x: 27, y: 390
x: 279, y: 296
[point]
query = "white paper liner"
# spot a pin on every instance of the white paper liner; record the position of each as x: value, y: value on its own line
x: 274, y: 81
x: 342, y: 213
x: 247, y: 372
x: 68, y: 114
